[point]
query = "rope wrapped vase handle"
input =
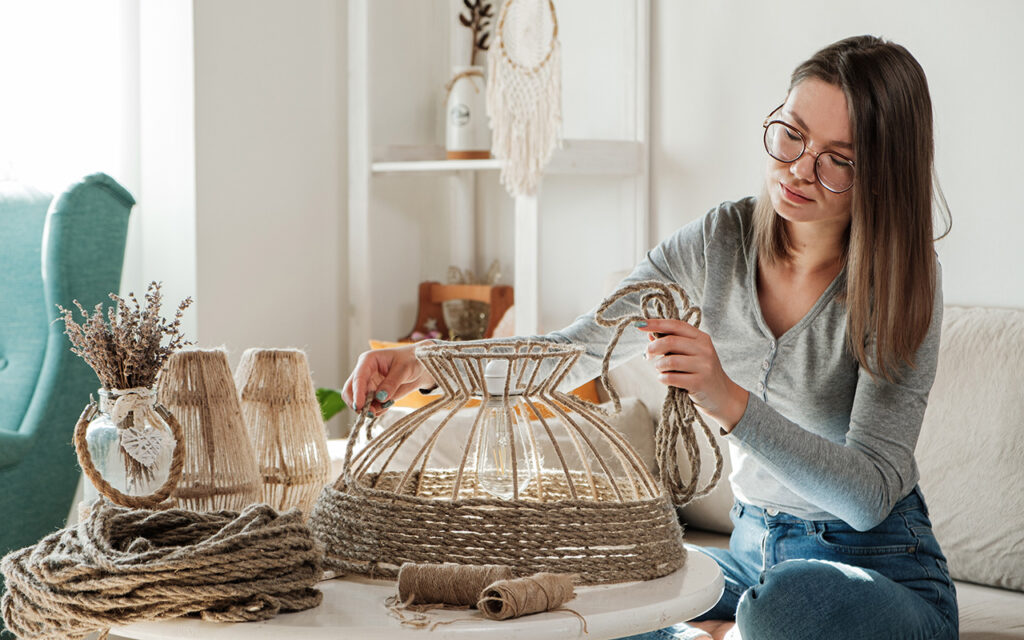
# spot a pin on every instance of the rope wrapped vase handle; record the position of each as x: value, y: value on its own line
x: 679, y: 416
x: 156, y: 500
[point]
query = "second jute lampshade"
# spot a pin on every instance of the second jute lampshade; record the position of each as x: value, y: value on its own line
x: 220, y: 468
x: 285, y: 426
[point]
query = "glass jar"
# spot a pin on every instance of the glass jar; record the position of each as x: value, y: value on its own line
x: 134, y: 458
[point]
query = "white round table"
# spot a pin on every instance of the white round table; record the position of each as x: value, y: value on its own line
x: 353, y: 607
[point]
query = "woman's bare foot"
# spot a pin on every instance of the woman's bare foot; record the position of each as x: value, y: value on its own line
x: 715, y: 628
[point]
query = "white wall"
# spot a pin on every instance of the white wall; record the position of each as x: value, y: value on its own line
x: 720, y: 66
x: 270, y: 187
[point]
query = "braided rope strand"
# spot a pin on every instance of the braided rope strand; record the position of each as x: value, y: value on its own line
x: 679, y: 416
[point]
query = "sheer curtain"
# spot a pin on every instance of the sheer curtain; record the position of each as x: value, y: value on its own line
x: 69, y: 76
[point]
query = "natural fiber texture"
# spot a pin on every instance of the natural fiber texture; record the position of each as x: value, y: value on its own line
x: 448, y: 583
x: 121, y: 566
x: 285, y: 426
x: 679, y: 416
x: 159, y: 498
x: 524, y: 92
x: 602, y: 517
x: 220, y: 468
x: 522, y: 596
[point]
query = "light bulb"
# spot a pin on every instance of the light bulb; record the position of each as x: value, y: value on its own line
x: 505, y: 450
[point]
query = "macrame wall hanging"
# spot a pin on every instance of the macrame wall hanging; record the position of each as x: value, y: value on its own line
x: 589, y: 506
x: 524, y: 92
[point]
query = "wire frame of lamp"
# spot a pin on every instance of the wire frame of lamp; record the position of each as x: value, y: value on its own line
x: 285, y: 426
x: 220, y: 468
x: 593, y: 510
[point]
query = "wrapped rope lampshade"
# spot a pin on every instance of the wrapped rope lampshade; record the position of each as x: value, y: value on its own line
x: 285, y: 426
x: 220, y: 468
x: 589, y: 506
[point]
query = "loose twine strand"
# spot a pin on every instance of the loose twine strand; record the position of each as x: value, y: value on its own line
x: 679, y: 416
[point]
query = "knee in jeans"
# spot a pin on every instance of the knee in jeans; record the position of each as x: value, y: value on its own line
x: 787, y: 602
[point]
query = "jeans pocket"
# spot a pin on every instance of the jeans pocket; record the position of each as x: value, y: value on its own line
x: 845, y: 540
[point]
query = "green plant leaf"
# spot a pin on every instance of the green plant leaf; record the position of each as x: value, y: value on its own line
x: 330, y: 402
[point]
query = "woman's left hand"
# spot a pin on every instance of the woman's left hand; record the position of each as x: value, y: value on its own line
x: 686, y: 358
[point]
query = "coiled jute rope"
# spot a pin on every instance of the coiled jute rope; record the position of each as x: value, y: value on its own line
x: 125, y: 564
x: 679, y: 416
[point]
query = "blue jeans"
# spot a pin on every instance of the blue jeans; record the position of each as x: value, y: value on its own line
x: 808, y: 579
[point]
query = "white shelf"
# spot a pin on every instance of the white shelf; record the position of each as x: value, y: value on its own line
x: 581, y: 157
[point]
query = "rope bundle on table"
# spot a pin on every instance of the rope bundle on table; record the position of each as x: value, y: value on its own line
x: 125, y: 565
x: 679, y: 416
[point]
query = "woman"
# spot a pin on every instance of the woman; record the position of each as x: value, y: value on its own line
x: 822, y: 307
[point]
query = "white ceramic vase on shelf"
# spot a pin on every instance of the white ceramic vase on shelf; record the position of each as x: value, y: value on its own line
x: 467, y: 135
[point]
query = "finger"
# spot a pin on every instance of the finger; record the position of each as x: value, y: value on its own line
x: 390, y: 388
x: 677, y: 364
x: 669, y: 325
x: 366, y: 377
x: 684, y: 381
x: 674, y: 344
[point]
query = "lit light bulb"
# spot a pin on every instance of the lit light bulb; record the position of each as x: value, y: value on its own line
x: 505, y: 451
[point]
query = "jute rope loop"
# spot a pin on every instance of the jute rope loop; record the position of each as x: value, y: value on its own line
x: 679, y: 416
x: 126, y: 565
x: 156, y: 500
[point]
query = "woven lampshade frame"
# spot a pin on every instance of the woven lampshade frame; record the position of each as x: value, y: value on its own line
x: 596, y: 512
x: 220, y: 470
x: 285, y: 426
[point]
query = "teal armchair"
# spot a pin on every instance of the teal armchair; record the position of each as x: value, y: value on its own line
x: 50, y: 253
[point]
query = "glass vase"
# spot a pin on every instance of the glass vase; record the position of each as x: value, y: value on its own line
x: 133, y: 457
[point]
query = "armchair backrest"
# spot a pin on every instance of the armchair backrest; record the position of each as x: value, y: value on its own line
x: 23, y: 315
x: 79, y: 255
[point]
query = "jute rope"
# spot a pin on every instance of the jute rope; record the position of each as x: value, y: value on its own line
x: 158, y: 498
x: 522, y: 596
x: 123, y: 565
x: 606, y: 520
x: 447, y: 583
x: 679, y: 416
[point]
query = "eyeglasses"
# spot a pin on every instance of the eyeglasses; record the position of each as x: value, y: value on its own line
x: 786, y: 143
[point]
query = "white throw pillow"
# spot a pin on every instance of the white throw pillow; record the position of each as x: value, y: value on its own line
x: 972, y: 444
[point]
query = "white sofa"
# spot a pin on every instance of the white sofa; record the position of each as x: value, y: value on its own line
x: 970, y: 454
x: 971, y: 457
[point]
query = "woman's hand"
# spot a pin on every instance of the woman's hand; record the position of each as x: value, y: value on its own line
x: 686, y: 358
x: 383, y: 375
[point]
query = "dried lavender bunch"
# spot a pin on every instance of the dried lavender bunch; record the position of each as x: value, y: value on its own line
x: 126, y: 348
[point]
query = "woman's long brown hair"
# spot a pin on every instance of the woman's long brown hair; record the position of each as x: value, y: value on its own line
x: 890, y: 260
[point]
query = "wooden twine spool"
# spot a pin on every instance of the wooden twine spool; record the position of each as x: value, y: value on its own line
x: 285, y: 426
x: 156, y: 500
x: 220, y: 469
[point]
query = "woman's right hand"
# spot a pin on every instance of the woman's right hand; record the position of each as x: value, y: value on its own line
x: 382, y: 376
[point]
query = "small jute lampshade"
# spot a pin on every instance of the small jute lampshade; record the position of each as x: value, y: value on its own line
x: 220, y: 468
x: 286, y: 428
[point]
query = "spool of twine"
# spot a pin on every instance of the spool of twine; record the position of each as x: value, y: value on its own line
x: 220, y: 467
x: 448, y: 583
x: 522, y: 596
x: 285, y: 426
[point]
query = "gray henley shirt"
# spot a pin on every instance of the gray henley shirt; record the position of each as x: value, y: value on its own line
x: 820, y: 438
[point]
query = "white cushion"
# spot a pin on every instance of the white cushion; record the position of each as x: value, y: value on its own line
x: 972, y: 446
x: 638, y: 378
